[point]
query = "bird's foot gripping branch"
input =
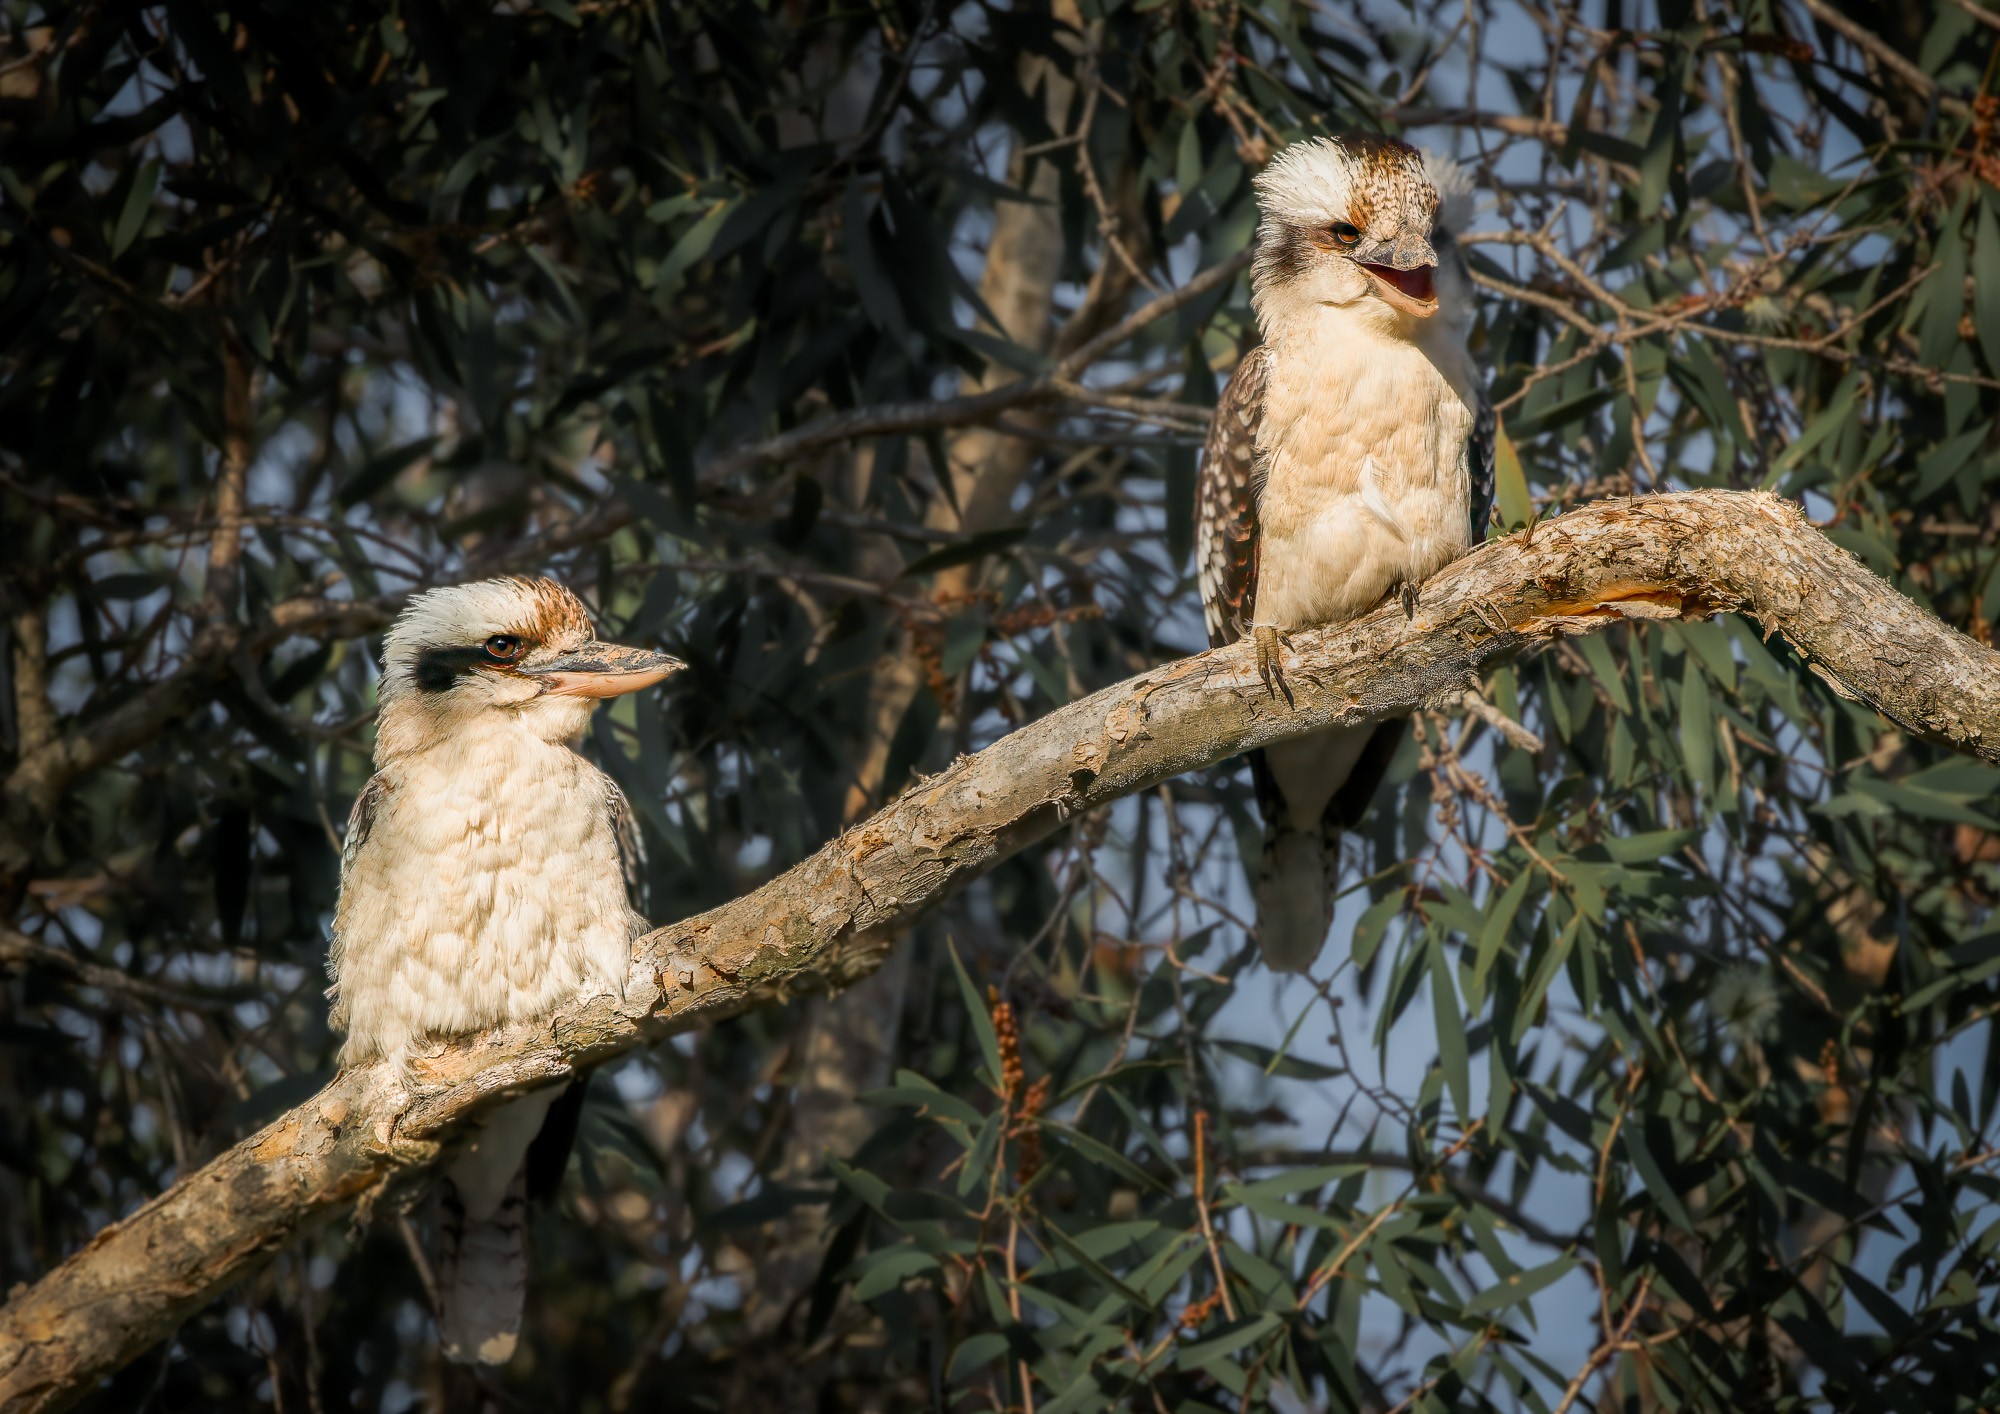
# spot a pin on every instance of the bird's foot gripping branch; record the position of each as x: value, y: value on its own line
x: 828, y: 919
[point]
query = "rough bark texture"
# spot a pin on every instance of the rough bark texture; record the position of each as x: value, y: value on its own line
x: 827, y: 921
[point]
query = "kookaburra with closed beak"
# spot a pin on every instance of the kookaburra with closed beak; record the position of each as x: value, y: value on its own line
x: 1350, y: 457
x: 488, y: 875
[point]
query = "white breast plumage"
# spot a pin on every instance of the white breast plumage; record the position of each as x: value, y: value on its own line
x: 1366, y: 475
x: 487, y: 888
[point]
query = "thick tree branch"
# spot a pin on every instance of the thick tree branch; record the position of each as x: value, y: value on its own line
x: 829, y: 919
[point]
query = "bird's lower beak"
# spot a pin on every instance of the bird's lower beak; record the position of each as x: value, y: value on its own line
x: 604, y: 670
x: 1413, y: 291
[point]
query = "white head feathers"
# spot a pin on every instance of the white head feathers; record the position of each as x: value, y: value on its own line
x: 1453, y: 181
x: 441, y: 626
x: 1361, y: 221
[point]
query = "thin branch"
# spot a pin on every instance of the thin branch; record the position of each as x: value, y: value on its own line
x: 1876, y: 48
x: 19, y: 951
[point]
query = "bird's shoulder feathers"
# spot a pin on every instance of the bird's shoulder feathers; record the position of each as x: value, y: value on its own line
x: 1479, y: 462
x: 631, y: 844
x: 1227, y: 489
x: 368, y: 808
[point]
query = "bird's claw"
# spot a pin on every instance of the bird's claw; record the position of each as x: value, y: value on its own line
x: 1271, y: 661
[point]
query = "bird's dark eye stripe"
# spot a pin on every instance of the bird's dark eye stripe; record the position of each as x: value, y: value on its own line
x: 438, y: 668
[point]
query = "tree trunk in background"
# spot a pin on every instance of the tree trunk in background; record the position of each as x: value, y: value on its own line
x: 848, y: 1042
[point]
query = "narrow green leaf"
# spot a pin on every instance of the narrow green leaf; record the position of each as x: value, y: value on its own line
x: 1597, y: 652
x: 1915, y: 800
x: 1552, y: 960
x: 1943, y: 293
x: 1510, y: 483
x: 1203, y: 1352
x: 381, y: 469
x: 975, y: 1353
x: 863, y: 1184
x: 1278, y: 1210
x: 1881, y: 1307
x: 1270, y: 1286
x: 1656, y: 166
x: 885, y: 1270
x: 1986, y: 284
x: 1050, y: 679
x: 1100, y: 1242
x: 1513, y: 1290
x: 1083, y: 1395
x: 938, y: 1102
x: 1082, y: 1257
x: 1645, y: 847
x: 1569, y: 412
x: 692, y: 246
x: 1295, y: 1181
x: 1944, y: 461
x: 558, y: 282
x: 1655, y: 1179
x: 1697, y: 727
x: 982, y: 1020
x: 1102, y: 1153
x: 138, y: 202
x: 1368, y: 933
x: 1450, y: 1031
x: 1829, y: 420
x: 1499, y: 920
x: 979, y: 1160
x: 1273, y: 1062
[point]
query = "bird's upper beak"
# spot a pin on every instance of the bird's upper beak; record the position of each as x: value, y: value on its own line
x: 1403, y: 270
x: 604, y: 670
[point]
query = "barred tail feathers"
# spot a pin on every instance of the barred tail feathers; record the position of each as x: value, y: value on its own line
x: 1309, y: 790
x: 1295, y: 887
x: 482, y: 1249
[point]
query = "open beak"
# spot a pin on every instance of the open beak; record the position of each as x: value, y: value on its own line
x: 1412, y: 291
x: 604, y: 670
x: 1404, y: 269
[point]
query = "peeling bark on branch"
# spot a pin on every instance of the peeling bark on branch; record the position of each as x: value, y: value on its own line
x: 828, y: 920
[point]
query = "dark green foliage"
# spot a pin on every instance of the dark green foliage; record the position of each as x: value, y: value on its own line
x: 1659, y: 1069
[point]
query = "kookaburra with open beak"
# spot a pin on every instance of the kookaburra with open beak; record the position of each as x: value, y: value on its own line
x: 488, y: 875
x: 1350, y: 457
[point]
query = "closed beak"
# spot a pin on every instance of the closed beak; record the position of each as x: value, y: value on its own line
x: 604, y: 670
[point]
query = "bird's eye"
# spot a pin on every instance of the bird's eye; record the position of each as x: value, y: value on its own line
x: 1344, y: 233
x: 503, y: 648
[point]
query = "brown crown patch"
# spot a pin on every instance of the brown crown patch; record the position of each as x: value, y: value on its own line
x: 1379, y: 150
x: 1389, y: 173
x: 553, y: 612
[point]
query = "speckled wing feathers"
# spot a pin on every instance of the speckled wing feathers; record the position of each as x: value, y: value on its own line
x: 1226, y: 492
x: 1479, y: 464
x: 360, y: 820
x: 368, y: 806
x: 631, y: 844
